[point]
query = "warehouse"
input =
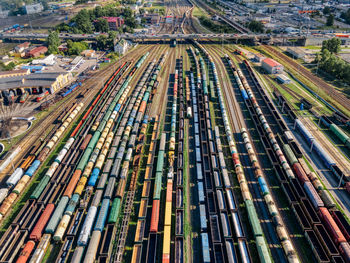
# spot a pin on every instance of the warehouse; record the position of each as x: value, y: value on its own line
x: 296, y: 52
x: 36, y: 52
x: 35, y: 83
x: 283, y: 79
x: 271, y: 66
x: 14, y: 73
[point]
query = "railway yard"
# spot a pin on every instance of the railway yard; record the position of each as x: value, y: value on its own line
x: 180, y: 152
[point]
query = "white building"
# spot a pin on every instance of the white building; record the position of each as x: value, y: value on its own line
x: 258, y: 57
x: 283, y: 79
x: 4, y: 13
x: 34, y: 8
x: 48, y: 61
x: 121, y: 47
x: 271, y: 66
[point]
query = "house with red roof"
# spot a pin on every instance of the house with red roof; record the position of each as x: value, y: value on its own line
x: 272, y: 66
x: 36, y: 52
x: 114, y: 22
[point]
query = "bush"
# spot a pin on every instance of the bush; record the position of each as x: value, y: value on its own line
x: 216, y: 27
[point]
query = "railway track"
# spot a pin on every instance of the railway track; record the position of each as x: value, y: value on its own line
x: 238, y: 123
x: 212, y: 11
x: 300, y: 169
x: 328, y: 89
x: 75, y: 158
x: 118, y: 161
x: 49, y: 194
x: 42, y: 127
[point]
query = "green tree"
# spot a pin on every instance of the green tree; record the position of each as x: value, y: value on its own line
x: 101, y: 25
x: 332, y: 45
x: 101, y: 42
x: 8, y: 67
x: 83, y: 23
x: 53, y: 42
x: 63, y: 28
x: 75, y: 48
x: 99, y: 11
x: 110, y: 41
x: 256, y: 26
x: 333, y: 65
x: 346, y: 16
x: 326, y: 10
x: 330, y: 20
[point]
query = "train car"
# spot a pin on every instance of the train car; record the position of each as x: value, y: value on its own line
x: 42, y: 96
x: 24, y: 97
x: 173, y: 43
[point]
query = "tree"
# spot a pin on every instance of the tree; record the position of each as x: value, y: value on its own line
x: 8, y: 67
x: 53, y: 42
x: 82, y: 21
x: 332, y: 64
x: 346, y: 16
x: 75, y: 48
x: 99, y: 11
x: 330, y: 20
x: 256, y: 26
x: 101, y: 42
x: 332, y: 45
x: 110, y: 41
x: 101, y: 25
x: 326, y: 10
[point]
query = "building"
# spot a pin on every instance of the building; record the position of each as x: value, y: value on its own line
x: 48, y: 61
x: 121, y: 47
x: 152, y: 19
x: 50, y: 81
x: 14, y: 73
x: 36, y: 52
x: 259, y: 57
x: 21, y: 47
x: 33, y: 68
x: 271, y: 66
x: 283, y: 79
x: 114, y: 22
x: 77, y: 60
x: 4, y: 13
x: 89, y: 53
x: 19, y: 54
x: 34, y: 8
x: 135, y: 8
x: 63, y: 47
x: 262, y: 18
x: 296, y: 52
x: 291, y: 30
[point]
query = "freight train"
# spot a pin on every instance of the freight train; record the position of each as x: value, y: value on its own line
x: 47, y: 185
x: 328, y: 160
x: 87, y: 172
x: 310, y: 192
x: 341, y: 135
x: 215, y: 223
x: 41, y: 96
